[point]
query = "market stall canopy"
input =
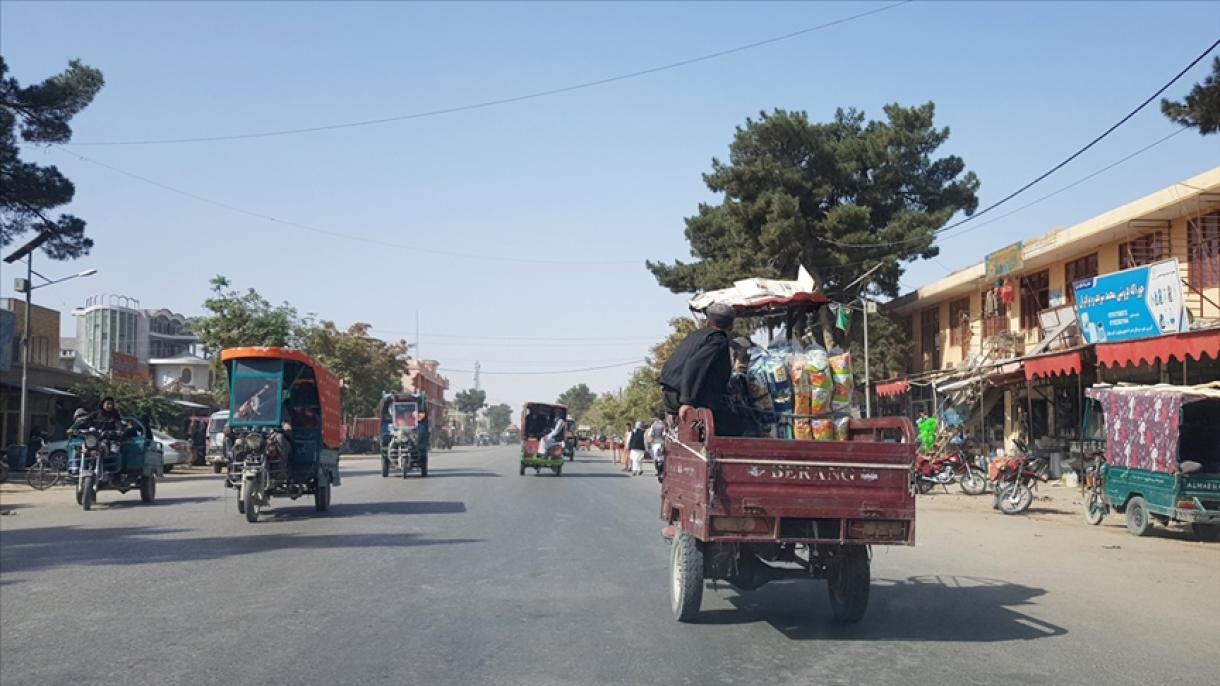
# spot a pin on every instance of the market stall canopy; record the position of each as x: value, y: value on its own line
x: 1194, y: 345
x: 1058, y: 364
x: 756, y: 294
x: 892, y: 389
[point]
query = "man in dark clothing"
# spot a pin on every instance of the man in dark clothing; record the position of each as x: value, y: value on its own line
x: 697, y: 374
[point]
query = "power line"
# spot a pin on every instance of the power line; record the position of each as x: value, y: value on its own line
x: 327, y: 232
x: 538, y: 373
x: 1053, y: 169
x: 523, y: 338
x: 504, y: 101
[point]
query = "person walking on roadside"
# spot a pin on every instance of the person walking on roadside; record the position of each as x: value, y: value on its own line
x: 635, y: 448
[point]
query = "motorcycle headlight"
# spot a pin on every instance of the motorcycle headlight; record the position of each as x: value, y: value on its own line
x: 90, y: 442
x: 254, y: 441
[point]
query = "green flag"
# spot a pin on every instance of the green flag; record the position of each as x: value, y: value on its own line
x: 842, y: 317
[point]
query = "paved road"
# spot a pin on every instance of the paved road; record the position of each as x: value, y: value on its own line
x: 477, y: 575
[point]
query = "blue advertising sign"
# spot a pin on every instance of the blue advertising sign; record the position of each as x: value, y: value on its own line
x: 8, y: 339
x: 1140, y: 302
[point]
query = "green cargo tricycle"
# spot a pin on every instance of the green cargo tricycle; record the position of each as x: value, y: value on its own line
x: 543, y: 430
x: 1162, y: 457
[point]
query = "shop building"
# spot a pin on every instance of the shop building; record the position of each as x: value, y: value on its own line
x: 1001, y: 337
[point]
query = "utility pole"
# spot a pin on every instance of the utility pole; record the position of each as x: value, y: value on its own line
x: 866, y: 303
x: 476, y: 375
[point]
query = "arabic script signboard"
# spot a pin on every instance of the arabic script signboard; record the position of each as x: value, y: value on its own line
x: 1135, y: 303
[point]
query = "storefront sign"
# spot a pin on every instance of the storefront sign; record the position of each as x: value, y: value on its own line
x: 1005, y: 261
x: 127, y: 367
x: 1141, y: 302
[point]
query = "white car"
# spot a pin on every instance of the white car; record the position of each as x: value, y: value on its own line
x: 176, y: 451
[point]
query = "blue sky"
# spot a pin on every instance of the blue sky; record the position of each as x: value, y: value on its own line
x: 604, y: 174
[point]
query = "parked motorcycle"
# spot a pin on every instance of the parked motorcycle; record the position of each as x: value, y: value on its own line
x: 943, y: 470
x: 1016, y: 480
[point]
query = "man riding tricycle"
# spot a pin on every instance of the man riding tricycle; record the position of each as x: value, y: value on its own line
x: 404, y: 433
x: 284, y: 429
x: 107, y: 451
x: 1162, y: 457
x: 543, y: 429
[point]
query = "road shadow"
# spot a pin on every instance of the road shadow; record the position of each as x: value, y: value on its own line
x: 389, y: 507
x: 469, y: 473
x: 39, y: 549
x: 120, y: 504
x: 927, y: 608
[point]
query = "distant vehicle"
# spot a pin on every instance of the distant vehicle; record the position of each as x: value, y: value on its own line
x: 175, y: 451
x: 538, y: 420
x: 217, y: 454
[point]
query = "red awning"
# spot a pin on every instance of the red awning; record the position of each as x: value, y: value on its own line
x: 1061, y: 364
x: 1179, y: 346
x: 893, y: 388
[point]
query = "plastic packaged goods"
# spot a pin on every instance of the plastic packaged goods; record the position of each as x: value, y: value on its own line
x: 840, y: 372
x: 823, y: 429
x: 802, y: 429
x: 841, y: 433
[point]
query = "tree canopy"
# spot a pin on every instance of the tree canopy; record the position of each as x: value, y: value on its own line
x: 1201, y: 107
x: 578, y: 399
x: 470, y: 400
x: 242, y: 319
x: 41, y: 113
x: 499, y: 417
x: 796, y: 192
x: 368, y: 366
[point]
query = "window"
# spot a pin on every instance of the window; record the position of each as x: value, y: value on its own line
x: 995, y: 313
x: 959, y: 323
x: 929, y: 333
x: 1035, y: 297
x: 1076, y: 270
x: 1203, y: 250
x: 1143, y: 250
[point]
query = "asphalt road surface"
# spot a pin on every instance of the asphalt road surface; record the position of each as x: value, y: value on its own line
x: 477, y: 575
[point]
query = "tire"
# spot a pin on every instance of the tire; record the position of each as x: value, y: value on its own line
x: 1094, y: 508
x: 148, y: 488
x: 88, y: 493
x: 423, y: 467
x: 241, y: 505
x: 79, y: 492
x: 847, y: 583
x: 215, y: 467
x: 1016, y: 499
x: 58, y: 461
x: 973, y: 482
x: 1206, y: 532
x: 166, y: 469
x: 385, y: 468
x: 249, y: 503
x: 321, y: 499
x: 41, y: 477
x: 685, y: 577
x: 522, y: 469
x: 559, y: 470
x: 1138, y: 521
x: 923, y: 486
x: 406, y: 468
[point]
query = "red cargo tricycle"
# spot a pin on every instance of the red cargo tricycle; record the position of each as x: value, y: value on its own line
x: 754, y: 510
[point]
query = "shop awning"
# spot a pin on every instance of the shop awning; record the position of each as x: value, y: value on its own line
x: 1046, y: 366
x: 891, y: 389
x: 1194, y: 345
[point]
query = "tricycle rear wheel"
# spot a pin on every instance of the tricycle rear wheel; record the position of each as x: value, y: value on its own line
x: 321, y: 498
x: 1138, y: 522
x: 148, y: 488
x: 685, y: 577
x: 385, y: 468
x: 848, y: 578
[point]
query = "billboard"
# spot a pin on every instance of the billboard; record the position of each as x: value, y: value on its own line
x: 1140, y: 302
x: 9, y: 346
x: 1005, y: 261
x: 127, y: 367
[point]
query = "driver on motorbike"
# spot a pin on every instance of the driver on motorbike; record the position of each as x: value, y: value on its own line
x: 106, y: 418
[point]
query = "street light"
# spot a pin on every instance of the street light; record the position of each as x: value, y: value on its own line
x: 26, y: 286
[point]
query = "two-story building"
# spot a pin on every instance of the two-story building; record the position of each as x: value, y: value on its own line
x: 1000, y: 338
x: 424, y: 376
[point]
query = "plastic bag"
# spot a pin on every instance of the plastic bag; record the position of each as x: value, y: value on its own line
x: 823, y: 429
x: 841, y: 433
x: 844, y: 384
